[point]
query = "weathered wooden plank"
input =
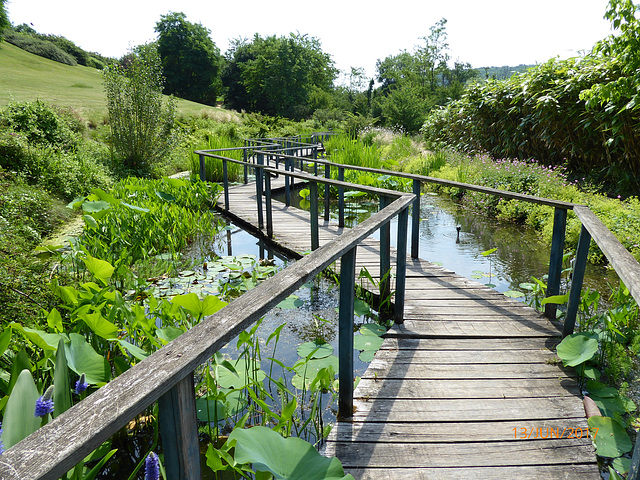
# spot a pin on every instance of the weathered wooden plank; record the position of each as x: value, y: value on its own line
x: 523, y: 328
x: 399, y: 343
x: 451, y: 432
x: 470, y: 454
x: 409, y: 388
x: 453, y: 357
x: 536, y: 472
x: 464, y: 409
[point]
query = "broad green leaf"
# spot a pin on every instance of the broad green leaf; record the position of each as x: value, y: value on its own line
x: 361, y: 308
x: 287, y: 459
x: 5, y: 339
x: 372, y: 329
x: 20, y: 362
x: 136, y: 208
x: 62, y: 388
x: 19, y: 420
x: 82, y: 358
x: 210, y: 409
x: 167, y: 334
x: 175, y: 182
x: 486, y: 253
x: 611, y: 438
x: 166, y: 196
x: 319, y: 350
x: 99, y: 325
x: 366, y: 356
x: 90, y: 221
x: 290, y: 302
x: 556, y: 299
x: 239, y: 373
x: 199, y: 308
x: 100, y: 269
x: 137, y: 352
x: 367, y: 342
x: 104, y: 196
x: 43, y: 340
x: 54, y: 320
x: 95, y: 207
x: 622, y: 464
x: 577, y: 348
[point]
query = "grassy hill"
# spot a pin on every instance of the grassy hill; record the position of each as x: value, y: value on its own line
x: 28, y: 77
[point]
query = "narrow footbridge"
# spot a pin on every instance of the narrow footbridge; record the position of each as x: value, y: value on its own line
x: 466, y: 384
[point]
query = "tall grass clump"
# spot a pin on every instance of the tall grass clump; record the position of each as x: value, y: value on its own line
x: 213, y: 166
x: 343, y: 149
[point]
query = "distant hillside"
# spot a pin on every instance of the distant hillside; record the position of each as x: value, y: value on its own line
x: 28, y: 77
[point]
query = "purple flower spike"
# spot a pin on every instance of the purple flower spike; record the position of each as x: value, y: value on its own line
x: 1, y: 444
x: 44, y: 404
x: 81, y: 384
x: 152, y: 467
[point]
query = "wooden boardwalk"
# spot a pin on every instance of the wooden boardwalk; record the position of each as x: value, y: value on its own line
x: 468, y: 386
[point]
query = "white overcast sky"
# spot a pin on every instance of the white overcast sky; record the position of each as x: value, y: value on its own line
x: 355, y: 33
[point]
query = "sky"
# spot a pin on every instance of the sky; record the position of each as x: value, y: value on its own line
x: 355, y: 33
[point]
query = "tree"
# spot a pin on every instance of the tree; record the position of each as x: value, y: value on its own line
x: 141, y: 125
x: 4, y: 19
x: 190, y: 60
x: 278, y: 76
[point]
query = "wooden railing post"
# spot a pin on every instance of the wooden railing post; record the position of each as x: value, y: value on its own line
x: 576, y: 281
x: 267, y: 194
x: 179, y: 431
x: 341, y: 198
x: 245, y: 166
x: 313, y: 212
x: 385, y: 255
x: 327, y: 190
x: 287, y: 188
x: 225, y: 183
x: 203, y: 171
x: 415, y: 220
x: 555, y: 259
x: 345, y: 333
x: 401, y: 266
x: 259, y: 174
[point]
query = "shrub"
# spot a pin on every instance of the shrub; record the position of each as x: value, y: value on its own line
x: 39, y: 47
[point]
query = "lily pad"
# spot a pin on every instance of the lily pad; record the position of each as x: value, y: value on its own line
x: 319, y: 350
x: 372, y: 329
x: 291, y: 301
x: 367, y: 342
x: 366, y: 356
x: 577, y: 348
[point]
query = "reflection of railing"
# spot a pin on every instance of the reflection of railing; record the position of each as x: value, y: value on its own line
x: 167, y: 376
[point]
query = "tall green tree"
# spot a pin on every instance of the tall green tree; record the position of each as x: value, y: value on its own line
x: 191, y: 62
x: 279, y: 76
x: 4, y: 19
x: 141, y: 123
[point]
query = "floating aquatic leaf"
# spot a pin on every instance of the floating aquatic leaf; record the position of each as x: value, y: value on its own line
x: 366, y: 356
x: 291, y: 301
x: 367, y: 342
x: 372, y: 329
x: 513, y: 294
x: 319, y: 350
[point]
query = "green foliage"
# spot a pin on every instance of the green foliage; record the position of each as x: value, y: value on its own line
x: 277, y: 76
x: 4, y: 19
x: 39, y: 47
x: 190, y: 60
x: 141, y: 124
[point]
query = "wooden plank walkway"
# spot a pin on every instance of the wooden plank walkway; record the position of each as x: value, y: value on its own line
x: 468, y: 386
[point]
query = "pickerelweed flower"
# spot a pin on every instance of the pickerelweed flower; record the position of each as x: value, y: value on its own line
x: 81, y: 384
x: 1, y: 444
x: 152, y: 467
x: 44, y: 404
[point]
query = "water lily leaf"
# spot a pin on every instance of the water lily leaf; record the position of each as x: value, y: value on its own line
x: 210, y: 409
x: 577, y: 348
x: 239, y: 373
x: 367, y: 342
x: 366, y: 356
x: 611, y: 438
x: 372, y: 329
x: 613, y: 406
x: 291, y: 301
x: 285, y: 458
x: 95, y: 206
x: 513, y: 294
x: 19, y: 420
x: 82, y: 358
x: 527, y: 286
x: 319, y: 350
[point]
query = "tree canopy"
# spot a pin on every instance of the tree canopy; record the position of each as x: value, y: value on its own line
x: 4, y: 19
x: 279, y: 76
x: 191, y: 62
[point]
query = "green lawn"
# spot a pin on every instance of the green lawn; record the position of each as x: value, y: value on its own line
x: 28, y: 77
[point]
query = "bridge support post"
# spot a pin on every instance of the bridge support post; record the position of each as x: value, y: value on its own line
x: 267, y: 196
x: 345, y: 333
x: 401, y: 266
x: 555, y: 259
x: 341, y: 198
x: 179, y: 431
x: 385, y: 258
x: 287, y: 188
x: 203, y: 172
x: 576, y: 281
x: 225, y: 183
x: 327, y: 188
x: 313, y: 212
x: 259, y: 174
x: 245, y: 167
x: 415, y: 220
